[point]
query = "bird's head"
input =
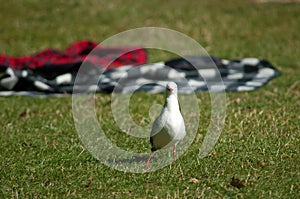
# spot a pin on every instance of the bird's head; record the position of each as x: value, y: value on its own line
x: 171, y: 88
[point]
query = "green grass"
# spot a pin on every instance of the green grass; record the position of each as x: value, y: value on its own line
x: 42, y: 156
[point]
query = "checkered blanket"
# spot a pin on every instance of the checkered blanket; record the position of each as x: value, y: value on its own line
x: 192, y: 74
x: 52, y: 60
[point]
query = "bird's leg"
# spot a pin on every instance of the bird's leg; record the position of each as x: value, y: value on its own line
x: 148, y: 160
x: 174, y: 154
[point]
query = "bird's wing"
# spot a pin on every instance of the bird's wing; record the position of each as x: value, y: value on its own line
x: 157, y: 126
x: 160, y: 122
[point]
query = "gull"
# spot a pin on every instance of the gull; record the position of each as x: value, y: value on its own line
x: 168, y: 128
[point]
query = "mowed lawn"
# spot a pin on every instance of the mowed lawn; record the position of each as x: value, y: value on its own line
x: 257, y: 155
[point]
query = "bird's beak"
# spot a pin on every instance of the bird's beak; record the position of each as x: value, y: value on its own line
x: 170, y: 89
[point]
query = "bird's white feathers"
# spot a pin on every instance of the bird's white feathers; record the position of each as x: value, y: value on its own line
x: 168, y: 128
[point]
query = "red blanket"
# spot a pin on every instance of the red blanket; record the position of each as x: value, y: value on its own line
x: 74, y: 55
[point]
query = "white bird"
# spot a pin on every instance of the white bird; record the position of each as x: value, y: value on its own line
x: 168, y: 128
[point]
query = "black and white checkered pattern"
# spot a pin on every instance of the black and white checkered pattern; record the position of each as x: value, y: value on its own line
x: 192, y: 74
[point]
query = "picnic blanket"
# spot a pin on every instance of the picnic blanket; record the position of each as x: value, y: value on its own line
x: 192, y: 74
x: 52, y: 60
x: 124, y: 70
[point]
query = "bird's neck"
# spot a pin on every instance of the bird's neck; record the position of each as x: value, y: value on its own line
x: 171, y: 102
